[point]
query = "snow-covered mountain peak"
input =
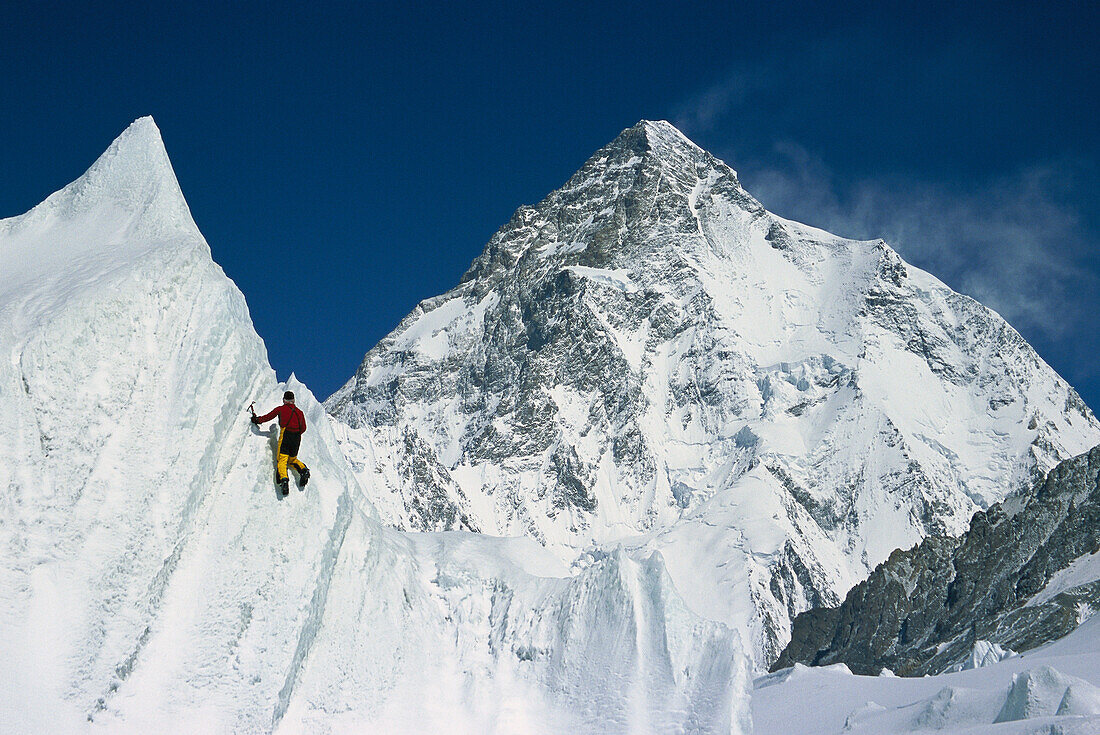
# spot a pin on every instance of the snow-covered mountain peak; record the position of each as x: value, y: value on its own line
x: 635, y: 203
x: 125, y: 215
x: 132, y: 183
x: 666, y: 131
x: 667, y: 144
x: 656, y: 138
x: 651, y: 151
x: 659, y: 141
x: 648, y: 353
x: 134, y: 170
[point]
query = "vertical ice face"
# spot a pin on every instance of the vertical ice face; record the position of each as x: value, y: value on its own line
x: 649, y: 356
x: 150, y: 576
x: 128, y: 357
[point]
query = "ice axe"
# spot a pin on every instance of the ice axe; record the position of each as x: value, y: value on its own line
x: 251, y: 409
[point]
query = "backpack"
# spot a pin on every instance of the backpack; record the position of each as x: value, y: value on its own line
x: 297, y: 420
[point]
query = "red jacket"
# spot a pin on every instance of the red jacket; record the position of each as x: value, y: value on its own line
x: 290, y: 416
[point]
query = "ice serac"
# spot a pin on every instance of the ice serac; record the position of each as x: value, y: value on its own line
x: 151, y: 579
x: 648, y: 356
x: 1051, y: 689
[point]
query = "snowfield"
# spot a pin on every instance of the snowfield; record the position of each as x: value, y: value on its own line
x: 1052, y: 689
x: 151, y: 579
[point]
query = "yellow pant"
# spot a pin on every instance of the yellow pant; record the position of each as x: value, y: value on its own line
x: 286, y: 459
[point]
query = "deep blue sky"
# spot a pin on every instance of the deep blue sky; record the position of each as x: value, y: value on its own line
x: 359, y: 156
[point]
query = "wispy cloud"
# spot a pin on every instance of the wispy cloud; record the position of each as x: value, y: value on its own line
x: 1023, y: 243
x: 702, y: 111
x: 1012, y: 242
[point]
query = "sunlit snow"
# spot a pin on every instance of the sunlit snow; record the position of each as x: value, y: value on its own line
x: 152, y: 579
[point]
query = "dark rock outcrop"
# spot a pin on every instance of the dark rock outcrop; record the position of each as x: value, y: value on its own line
x: 924, y: 608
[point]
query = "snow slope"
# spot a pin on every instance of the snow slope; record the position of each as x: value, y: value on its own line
x: 1052, y: 689
x: 151, y: 579
x: 649, y: 357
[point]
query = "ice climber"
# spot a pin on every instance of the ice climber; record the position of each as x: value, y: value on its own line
x: 292, y: 424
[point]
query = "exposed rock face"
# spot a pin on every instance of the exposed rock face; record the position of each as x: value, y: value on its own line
x: 1026, y: 572
x: 649, y: 357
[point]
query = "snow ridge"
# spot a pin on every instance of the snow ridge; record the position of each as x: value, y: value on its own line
x: 133, y: 174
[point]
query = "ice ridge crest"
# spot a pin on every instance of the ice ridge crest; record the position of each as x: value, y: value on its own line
x: 133, y: 177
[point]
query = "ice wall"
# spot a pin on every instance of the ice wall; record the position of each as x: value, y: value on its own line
x: 151, y: 579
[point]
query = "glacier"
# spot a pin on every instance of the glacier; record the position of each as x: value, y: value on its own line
x: 151, y: 579
x: 650, y: 358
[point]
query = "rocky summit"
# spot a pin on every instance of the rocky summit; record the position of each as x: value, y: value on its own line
x: 1024, y: 574
x: 650, y: 359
